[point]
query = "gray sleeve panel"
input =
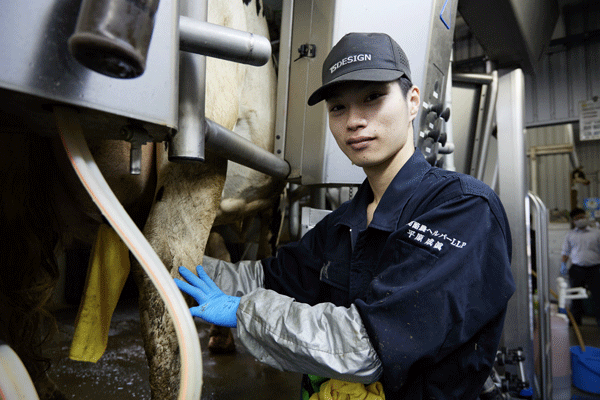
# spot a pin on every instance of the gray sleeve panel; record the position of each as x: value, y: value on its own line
x: 234, y: 279
x: 323, y: 340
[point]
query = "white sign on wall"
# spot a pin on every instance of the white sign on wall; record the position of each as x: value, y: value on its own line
x: 589, y: 119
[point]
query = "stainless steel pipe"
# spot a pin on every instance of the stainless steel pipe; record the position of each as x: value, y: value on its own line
x: 221, y: 42
x: 489, y: 124
x: 198, y: 39
x: 188, y: 143
x: 483, y: 79
x: 230, y: 145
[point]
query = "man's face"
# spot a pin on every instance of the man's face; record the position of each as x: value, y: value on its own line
x: 372, y: 122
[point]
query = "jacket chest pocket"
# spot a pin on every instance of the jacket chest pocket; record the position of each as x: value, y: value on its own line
x: 407, y: 264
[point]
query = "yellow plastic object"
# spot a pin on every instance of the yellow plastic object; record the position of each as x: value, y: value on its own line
x: 107, y: 272
x: 335, y: 389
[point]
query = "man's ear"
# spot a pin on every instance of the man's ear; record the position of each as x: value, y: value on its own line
x: 414, y: 100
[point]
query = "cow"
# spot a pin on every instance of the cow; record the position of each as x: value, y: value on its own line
x: 207, y: 198
x: 45, y: 209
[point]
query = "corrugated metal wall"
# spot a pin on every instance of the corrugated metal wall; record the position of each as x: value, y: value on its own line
x: 562, y: 80
x: 553, y: 170
x: 568, y: 73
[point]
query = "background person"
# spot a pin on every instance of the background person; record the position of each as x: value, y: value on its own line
x: 582, y: 246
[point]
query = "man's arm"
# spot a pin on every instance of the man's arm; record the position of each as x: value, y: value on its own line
x: 322, y: 340
x: 234, y: 279
x: 327, y: 340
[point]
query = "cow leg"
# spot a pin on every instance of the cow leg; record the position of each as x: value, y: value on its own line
x: 47, y: 389
x: 220, y: 338
x: 180, y: 220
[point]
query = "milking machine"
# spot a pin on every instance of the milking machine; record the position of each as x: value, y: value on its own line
x: 111, y: 69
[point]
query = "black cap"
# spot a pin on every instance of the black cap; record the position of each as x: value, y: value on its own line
x: 362, y: 57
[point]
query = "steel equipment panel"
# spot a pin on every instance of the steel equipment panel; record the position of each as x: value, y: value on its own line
x: 37, y: 71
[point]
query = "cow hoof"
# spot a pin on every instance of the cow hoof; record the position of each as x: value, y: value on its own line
x: 58, y: 395
x: 51, y: 394
x: 220, y: 340
x: 47, y: 389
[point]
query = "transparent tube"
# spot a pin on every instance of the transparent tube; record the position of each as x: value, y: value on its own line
x: 88, y: 172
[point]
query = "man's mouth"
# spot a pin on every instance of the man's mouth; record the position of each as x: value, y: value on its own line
x: 358, y: 143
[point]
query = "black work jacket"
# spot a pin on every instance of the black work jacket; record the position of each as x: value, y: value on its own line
x: 430, y: 277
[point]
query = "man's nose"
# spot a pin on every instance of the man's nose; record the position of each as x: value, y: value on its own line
x: 356, y: 118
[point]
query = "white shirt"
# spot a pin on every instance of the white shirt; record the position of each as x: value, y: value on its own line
x: 582, y: 246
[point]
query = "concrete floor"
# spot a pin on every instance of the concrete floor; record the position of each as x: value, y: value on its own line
x: 122, y: 372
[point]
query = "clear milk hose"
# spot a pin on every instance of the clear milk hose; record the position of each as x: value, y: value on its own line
x: 82, y: 161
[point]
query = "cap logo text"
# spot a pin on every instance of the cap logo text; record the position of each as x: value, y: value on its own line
x: 349, y: 60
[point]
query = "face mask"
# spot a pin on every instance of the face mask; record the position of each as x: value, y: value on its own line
x: 581, y: 223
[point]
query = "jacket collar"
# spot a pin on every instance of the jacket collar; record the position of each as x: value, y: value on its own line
x: 393, y: 201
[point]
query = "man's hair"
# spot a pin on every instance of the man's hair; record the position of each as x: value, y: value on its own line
x: 576, y: 211
x: 405, y: 85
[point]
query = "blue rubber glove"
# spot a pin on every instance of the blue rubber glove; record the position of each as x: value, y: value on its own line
x: 563, y: 268
x: 214, y: 306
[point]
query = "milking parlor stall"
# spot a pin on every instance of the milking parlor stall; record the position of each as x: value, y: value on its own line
x: 162, y: 125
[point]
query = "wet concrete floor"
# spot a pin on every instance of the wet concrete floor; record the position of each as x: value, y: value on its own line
x: 122, y: 372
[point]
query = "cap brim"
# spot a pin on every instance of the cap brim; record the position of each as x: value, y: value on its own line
x: 367, y: 75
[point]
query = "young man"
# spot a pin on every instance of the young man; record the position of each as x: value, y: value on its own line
x: 406, y: 284
x: 582, y: 245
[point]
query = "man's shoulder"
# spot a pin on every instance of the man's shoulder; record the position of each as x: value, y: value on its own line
x: 457, y: 182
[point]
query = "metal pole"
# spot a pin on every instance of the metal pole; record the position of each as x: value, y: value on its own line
x: 232, y: 146
x: 481, y: 113
x: 518, y: 329
x: 489, y: 122
x: 482, y: 79
x: 188, y: 143
x: 200, y: 37
x: 541, y: 246
x: 283, y: 78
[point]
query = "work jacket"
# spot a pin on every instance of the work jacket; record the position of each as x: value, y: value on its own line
x: 416, y: 299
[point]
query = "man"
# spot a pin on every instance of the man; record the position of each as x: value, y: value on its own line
x: 406, y: 284
x: 582, y: 245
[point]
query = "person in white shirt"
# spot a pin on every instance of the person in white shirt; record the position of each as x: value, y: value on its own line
x: 582, y: 246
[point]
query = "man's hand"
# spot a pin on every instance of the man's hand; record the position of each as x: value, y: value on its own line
x: 214, y: 306
x: 563, y: 268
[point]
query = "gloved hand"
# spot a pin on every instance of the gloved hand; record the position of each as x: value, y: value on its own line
x: 563, y: 268
x: 214, y: 306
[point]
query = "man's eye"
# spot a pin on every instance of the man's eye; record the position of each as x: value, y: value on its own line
x: 336, y: 107
x: 373, y: 96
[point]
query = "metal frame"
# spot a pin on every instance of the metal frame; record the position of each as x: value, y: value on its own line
x: 485, y: 118
x: 540, y: 220
x: 518, y: 328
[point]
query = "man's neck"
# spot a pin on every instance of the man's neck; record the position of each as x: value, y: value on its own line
x: 381, y: 176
